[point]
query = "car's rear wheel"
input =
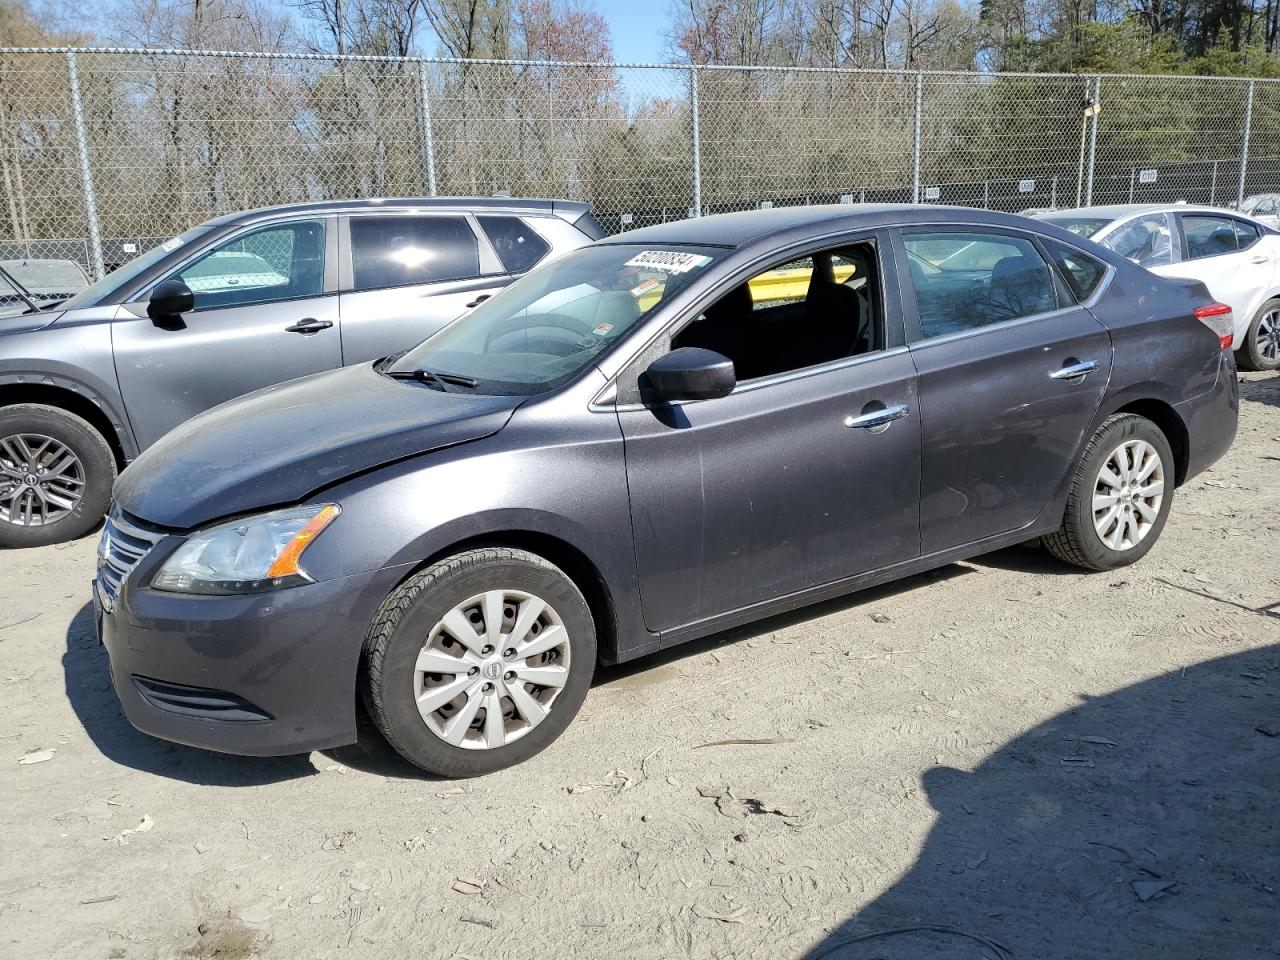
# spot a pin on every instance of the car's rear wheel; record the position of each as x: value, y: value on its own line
x: 56, y: 473
x: 479, y: 662
x: 1120, y: 496
x: 1261, y: 347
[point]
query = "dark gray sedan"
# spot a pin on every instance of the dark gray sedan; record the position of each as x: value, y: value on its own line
x: 651, y: 439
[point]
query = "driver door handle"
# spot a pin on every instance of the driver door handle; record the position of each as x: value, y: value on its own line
x: 1075, y: 371
x: 479, y: 300
x: 309, y: 325
x: 878, y: 418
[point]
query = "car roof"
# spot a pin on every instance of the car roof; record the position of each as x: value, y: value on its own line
x: 1116, y: 211
x: 742, y: 228
x: 567, y: 209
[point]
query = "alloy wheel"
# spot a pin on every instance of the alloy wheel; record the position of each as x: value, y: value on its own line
x: 491, y: 669
x: 1127, y: 494
x: 41, y: 479
x: 1267, y: 337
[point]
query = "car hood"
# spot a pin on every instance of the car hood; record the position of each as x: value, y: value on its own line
x: 280, y: 444
x: 14, y: 318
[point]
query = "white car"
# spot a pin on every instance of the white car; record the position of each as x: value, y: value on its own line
x: 1263, y: 207
x: 1237, y: 258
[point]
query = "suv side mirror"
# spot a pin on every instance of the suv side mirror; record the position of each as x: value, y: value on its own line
x: 691, y: 373
x: 170, y: 299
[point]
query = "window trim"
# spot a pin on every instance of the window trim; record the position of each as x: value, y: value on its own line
x: 329, y: 274
x: 1212, y: 214
x: 605, y: 399
x: 488, y: 263
x: 911, y: 308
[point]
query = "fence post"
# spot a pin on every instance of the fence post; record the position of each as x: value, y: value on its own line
x: 1213, y: 183
x: 427, y: 144
x: 1244, y: 145
x: 915, y: 154
x: 1093, y: 142
x: 694, y: 110
x: 86, y: 173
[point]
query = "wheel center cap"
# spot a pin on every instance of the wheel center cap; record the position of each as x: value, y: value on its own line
x: 30, y: 479
x: 492, y: 670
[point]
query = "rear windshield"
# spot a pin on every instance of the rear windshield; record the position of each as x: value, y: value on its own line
x: 555, y: 321
x: 1080, y: 226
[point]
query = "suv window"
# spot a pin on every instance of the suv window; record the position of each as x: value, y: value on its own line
x: 1082, y: 272
x: 517, y: 244
x: 395, y: 251
x: 1209, y: 236
x: 1146, y: 240
x: 280, y: 262
x: 794, y: 315
x: 965, y: 281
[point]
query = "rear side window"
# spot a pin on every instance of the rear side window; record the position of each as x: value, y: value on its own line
x: 1146, y: 240
x: 395, y: 251
x: 964, y: 281
x: 1246, y: 234
x: 1209, y: 236
x: 517, y: 244
x: 1082, y: 272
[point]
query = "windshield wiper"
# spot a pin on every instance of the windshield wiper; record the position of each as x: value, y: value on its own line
x: 439, y: 377
x: 20, y: 290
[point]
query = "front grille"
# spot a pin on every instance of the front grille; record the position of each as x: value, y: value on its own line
x: 123, y: 544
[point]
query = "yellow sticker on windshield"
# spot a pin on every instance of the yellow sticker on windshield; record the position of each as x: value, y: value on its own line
x: 672, y: 261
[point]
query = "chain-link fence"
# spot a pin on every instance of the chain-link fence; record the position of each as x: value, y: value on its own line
x: 103, y: 153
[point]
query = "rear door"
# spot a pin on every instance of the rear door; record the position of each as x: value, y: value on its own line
x: 1225, y: 253
x: 406, y: 275
x: 1011, y: 373
x: 266, y: 310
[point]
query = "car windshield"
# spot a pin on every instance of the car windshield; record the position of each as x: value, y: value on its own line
x: 99, y: 291
x: 1080, y: 226
x: 549, y: 325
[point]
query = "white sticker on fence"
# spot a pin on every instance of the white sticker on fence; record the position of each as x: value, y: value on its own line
x: 846, y: 198
x: 1026, y: 186
x: 626, y: 218
x: 1147, y: 176
x: 672, y: 261
x: 932, y: 193
x: 129, y: 247
x: 766, y: 204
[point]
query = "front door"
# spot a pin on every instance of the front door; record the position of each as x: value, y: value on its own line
x: 1012, y: 372
x: 806, y: 474
x: 261, y: 316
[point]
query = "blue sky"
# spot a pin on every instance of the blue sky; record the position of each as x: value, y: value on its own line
x: 638, y: 28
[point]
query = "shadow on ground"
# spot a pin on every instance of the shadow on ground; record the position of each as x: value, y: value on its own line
x: 88, y: 686
x: 1140, y: 824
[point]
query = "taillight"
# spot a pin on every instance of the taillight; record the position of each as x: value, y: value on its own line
x: 1218, y: 318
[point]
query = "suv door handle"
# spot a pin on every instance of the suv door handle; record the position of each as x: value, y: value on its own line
x: 479, y: 300
x: 878, y: 418
x: 1074, y: 371
x: 309, y: 326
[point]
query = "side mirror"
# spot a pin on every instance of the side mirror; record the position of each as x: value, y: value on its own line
x: 170, y: 299
x: 691, y: 373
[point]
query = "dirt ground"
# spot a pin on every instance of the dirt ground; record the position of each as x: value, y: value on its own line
x: 1004, y: 758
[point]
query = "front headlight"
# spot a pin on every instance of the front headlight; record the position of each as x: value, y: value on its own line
x: 247, y: 555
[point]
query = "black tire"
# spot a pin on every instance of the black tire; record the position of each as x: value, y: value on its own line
x: 406, y: 619
x: 1251, y: 355
x: 1078, y: 541
x: 97, y: 462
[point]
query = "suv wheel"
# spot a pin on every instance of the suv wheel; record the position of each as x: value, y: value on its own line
x: 56, y: 473
x: 479, y: 662
x: 1120, y: 496
x: 1261, y: 347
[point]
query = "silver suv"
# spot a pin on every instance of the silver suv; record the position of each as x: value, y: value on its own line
x: 241, y: 302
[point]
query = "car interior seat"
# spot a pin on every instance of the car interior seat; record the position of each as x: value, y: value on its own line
x: 1021, y: 286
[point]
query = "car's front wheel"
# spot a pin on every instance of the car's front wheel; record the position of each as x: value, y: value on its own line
x: 479, y: 661
x: 56, y: 473
x: 1261, y: 347
x: 1120, y: 496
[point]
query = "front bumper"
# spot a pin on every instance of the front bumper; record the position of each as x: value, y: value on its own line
x: 263, y: 675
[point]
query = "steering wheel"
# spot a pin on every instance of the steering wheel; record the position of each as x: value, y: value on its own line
x: 539, y: 321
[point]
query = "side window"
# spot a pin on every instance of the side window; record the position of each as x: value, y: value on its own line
x: 1265, y: 207
x: 394, y: 251
x: 798, y: 314
x: 1082, y: 272
x: 517, y: 244
x: 279, y: 262
x: 1146, y: 240
x: 1208, y: 236
x: 1246, y: 234
x: 964, y: 281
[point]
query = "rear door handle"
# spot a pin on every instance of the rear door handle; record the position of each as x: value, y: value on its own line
x: 1074, y: 371
x: 309, y: 325
x: 1259, y: 259
x: 479, y: 300
x: 878, y: 418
